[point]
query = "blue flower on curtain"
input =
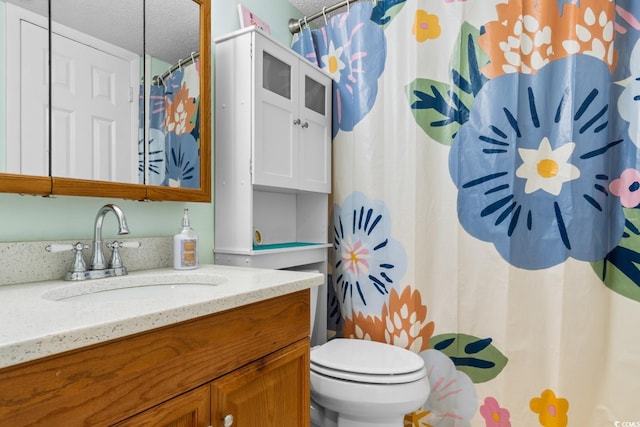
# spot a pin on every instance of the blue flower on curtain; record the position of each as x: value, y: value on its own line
x: 353, y: 50
x: 183, y: 161
x: 533, y: 167
x: 369, y: 263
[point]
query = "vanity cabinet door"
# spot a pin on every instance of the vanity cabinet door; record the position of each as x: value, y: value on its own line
x: 191, y: 409
x: 271, y: 392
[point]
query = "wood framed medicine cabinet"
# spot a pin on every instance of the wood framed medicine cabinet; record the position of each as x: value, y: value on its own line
x: 50, y: 183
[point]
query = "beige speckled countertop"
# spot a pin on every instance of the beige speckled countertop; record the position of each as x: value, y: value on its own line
x: 34, y: 323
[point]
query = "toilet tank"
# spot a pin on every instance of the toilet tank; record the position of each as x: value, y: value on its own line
x: 318, y: 315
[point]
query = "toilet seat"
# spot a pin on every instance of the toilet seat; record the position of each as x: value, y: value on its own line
x: 367, y: 362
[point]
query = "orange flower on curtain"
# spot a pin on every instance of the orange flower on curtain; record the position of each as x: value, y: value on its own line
x: 551, y: 410
x: 425, y: 26
x: 180, y: 111
x: 364, y: 327
x: 528, y: 35
x: 403, y: 322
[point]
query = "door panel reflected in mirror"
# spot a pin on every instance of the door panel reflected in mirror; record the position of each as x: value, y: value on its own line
x: 125, y: 105
x: 97, y: 50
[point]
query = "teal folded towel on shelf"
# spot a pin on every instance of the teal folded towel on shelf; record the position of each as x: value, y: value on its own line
x: 283, y: 245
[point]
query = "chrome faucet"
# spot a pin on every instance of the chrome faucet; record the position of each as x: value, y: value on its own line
x: 98, y: 267
x: 97, y: 258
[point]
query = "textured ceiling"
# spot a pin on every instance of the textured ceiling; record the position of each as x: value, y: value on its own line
x: 309, y: 7
x: 172, y: 25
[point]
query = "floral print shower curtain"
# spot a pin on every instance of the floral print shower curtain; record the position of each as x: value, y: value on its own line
x: 173, y: 138
x: 486, y: 186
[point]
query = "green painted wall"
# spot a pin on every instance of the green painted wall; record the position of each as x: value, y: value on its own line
x: 32, y: 218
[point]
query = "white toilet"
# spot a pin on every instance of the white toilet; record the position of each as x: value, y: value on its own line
x: 358, y: 383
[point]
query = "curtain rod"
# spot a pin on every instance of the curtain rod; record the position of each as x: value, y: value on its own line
x: 295, y: 25
x: 181, y: 63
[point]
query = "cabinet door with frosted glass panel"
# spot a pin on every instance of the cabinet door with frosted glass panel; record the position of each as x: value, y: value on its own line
x: 314, y: 143
x: 275, y: 148
x: 292, y: 133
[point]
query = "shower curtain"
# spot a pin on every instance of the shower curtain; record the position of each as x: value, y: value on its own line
x: 485, y: 195
x: 173, y: 138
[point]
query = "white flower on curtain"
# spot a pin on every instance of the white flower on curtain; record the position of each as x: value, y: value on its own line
x: 545, y: 168
x: 332, y: 61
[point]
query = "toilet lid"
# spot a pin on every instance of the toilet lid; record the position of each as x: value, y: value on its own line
x: 367, y: 361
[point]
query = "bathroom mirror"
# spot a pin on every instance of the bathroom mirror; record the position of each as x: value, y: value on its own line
x: 33, y: 176
x: 130, y: 106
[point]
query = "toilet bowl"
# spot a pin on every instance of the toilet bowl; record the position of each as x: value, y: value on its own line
x: 357, y: 383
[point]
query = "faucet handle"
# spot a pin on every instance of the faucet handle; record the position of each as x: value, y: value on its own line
x: 78, y: 261
x: 59, y: 247
x: 130, y: 244
x: 116, y: 261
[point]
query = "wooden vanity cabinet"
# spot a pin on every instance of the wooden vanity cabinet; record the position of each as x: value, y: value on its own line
x: 251, y: 363
x: 265, y: 393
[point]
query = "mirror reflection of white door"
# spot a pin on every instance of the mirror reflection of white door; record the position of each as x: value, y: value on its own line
x: 92, y: 132
x: 95, y: 104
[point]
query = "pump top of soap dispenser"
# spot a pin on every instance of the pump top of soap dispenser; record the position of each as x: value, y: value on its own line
x: 185, y: 219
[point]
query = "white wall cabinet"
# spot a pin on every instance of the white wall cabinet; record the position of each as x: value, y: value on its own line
x: 278, y: 101
x: 272, y: 157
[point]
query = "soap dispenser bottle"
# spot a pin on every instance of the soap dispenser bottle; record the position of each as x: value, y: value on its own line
x: 185, y: 246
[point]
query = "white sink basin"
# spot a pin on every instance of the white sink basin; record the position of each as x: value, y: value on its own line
x: 138, y: 288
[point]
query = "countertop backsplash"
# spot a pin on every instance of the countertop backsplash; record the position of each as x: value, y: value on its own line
x: 24, y: 262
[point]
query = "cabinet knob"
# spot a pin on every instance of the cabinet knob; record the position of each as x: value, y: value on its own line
x: 228, y: 420
x: 305, y: 125
x: 297, y: 121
